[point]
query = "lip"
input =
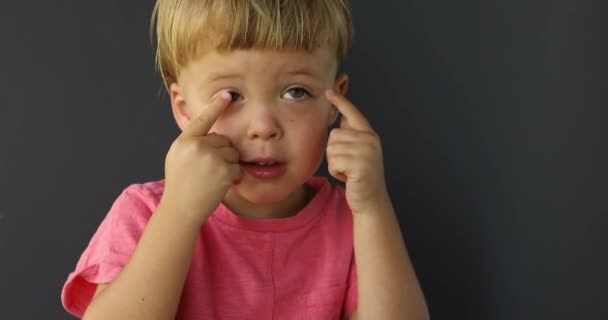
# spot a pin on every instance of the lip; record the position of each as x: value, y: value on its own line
x: 262, y: 159
x: 274, y: 171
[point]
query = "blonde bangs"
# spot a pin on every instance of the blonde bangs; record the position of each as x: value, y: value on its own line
x: 183, y: 25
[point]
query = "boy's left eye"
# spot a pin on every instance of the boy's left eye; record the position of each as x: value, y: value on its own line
x: 297, y: 93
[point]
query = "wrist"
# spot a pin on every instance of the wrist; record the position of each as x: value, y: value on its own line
x: 379, y: 203
x: 180, y: 210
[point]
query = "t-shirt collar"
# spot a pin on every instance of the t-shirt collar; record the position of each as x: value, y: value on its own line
x: 314, y: 207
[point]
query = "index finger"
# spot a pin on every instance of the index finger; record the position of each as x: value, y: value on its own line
x: 355, y: 119
x: 200, y: 125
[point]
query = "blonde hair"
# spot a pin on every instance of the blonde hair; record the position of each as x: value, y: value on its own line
x: 183, y: 25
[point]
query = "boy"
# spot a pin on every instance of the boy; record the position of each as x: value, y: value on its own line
x: 240, y: 228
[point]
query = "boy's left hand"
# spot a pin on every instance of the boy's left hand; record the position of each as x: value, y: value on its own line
x: 354, y: 156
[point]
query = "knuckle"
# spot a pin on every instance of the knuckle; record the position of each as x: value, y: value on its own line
x: 202, y: 119
x: 199, y: 149
x: 334, y: 133
x: 371, y: 135
x: 184, y: 146
x: 373, y: 141
x: 370, y: 147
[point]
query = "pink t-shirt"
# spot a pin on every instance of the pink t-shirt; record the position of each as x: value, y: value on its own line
x: 300, y: 267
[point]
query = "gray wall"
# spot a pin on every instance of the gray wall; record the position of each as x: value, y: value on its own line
x: 492, y: 116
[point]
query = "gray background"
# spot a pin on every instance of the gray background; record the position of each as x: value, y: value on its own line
x: 491, y: 112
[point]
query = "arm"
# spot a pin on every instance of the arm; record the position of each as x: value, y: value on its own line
x: 150, y: 285
x: 387, y: 284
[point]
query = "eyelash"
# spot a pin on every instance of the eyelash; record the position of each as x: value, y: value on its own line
x: 235, y: 95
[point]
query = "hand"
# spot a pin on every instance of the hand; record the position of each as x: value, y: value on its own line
x: 354, y: 156
x: 200, y: 166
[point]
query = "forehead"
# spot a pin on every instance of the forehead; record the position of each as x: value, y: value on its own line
x: 210, y: 64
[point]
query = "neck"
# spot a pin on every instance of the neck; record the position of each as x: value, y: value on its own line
x: 287, y: 207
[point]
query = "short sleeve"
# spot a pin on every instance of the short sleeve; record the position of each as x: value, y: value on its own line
x: 109, y: 249
x: 350, y: 301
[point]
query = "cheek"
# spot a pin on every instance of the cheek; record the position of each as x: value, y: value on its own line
x: 308, y: 135
x: 310, y: 126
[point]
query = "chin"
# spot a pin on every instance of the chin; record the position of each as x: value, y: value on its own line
x: 263, y: 193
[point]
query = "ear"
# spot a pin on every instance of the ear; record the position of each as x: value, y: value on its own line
x: 340, y: 86
x: 179, y: 106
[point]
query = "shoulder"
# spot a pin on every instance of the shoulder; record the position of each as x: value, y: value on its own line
x: 135, y: 203
x: 148, y: 192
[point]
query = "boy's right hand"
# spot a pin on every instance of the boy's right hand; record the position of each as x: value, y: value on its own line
x: 200, y: 166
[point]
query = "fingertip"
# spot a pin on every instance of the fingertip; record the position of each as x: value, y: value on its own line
x: 222, y: 96
x: 225, y: 95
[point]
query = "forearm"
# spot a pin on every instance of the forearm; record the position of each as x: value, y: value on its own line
x: 150, y: 285
x: 387, y: 284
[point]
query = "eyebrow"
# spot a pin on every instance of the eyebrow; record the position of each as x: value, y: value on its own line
x: 310, y: 74
x: 215, y: 76
x: 302, y: 70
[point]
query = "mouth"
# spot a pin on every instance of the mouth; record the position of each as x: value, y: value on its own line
x: 263, y: 162
x: 264, y: 168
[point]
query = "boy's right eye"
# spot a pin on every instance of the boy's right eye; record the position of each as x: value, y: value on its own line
x: 235, y: 96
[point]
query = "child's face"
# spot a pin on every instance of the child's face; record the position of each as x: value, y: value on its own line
x: 279, y: 111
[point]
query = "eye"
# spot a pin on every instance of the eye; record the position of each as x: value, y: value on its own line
x: 297, y: 93
x: 235, y: 96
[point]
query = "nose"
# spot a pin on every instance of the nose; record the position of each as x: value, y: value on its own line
x: 264, y: 124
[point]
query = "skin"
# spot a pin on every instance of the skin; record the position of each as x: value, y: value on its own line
x: 266, y: 118
x: 387, y: 284
x: 261, y: 118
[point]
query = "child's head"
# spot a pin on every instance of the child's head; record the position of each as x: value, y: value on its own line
x: 183, y: 26
x: 277, y: 58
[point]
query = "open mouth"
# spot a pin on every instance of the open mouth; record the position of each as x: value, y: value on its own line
x: 262, y: 164
x: 267, y: 169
